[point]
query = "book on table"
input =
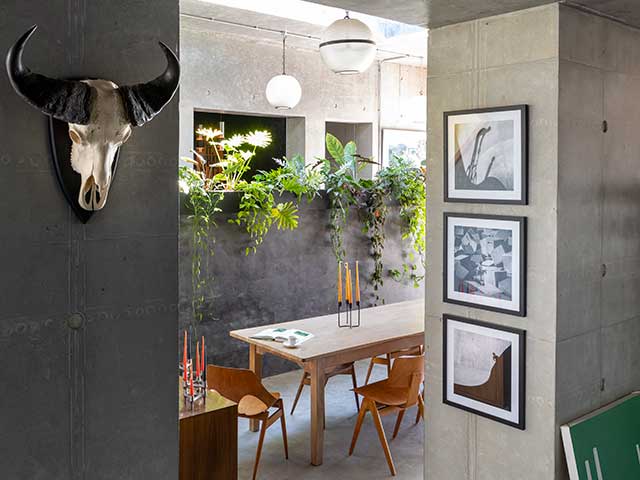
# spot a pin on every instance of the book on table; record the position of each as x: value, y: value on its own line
x: 281, y: 334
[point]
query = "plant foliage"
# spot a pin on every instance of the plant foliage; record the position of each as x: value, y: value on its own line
x: 400, y: 182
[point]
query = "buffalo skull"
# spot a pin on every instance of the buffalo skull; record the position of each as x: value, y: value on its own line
x: 100, y: 114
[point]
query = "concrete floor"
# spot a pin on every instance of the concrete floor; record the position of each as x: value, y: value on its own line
x: 368, y: 460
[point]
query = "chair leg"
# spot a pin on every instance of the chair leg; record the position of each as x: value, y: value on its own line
x: 383, y: 439
x: 355, y: 385
x: 398, y: 422
x: 356, y: 431
x: 295, y: 402
x: 283, y: 425
x: 366, y: 381
x: 420, y: 413
x: 263, y: 430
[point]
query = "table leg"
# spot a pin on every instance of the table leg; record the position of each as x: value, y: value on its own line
x: 318, y: 381
x: 255, y: 364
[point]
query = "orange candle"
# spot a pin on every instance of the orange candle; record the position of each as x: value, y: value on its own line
x: 339, y: 283
x: 197, y: 359
x: 202, y: 357
x: 349, y: 298
x: 357, y: 284
x: 184, y: 357
x: 191, y: 383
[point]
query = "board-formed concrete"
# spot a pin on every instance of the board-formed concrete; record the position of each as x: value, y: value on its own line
x: 438, y: 13
x: 98, y: 402
x: 598, y: 210
x: 504, y: 60
x: 577, y: 72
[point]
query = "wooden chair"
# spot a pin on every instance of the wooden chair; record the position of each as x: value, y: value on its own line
x: 388, y: 359
x: 254, y: 401
x: 344, y: 369
x: 395, y: 394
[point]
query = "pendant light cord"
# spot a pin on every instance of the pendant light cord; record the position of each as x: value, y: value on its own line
x: 284, y: 45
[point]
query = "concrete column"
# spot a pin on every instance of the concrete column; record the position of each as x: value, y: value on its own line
x: 598, y: 317
x: 578, y: 73
x: 503, y: 60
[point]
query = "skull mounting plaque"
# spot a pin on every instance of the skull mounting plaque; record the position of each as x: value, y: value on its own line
x: 89, y: 120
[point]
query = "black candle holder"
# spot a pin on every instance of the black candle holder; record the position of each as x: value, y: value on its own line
x: 348, y: 315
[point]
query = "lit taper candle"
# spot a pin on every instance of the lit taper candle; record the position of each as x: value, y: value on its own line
x: 357, y: 284
x: 339, y: 283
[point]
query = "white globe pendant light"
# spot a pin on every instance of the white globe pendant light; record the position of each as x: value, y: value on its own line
x: 347, y: 46
x: 283, y: 91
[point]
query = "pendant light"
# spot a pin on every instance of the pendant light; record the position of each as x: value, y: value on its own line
x: 347, y: 46
x: 283, y: 91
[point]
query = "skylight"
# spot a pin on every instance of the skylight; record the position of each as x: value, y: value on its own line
x: 320, y: 15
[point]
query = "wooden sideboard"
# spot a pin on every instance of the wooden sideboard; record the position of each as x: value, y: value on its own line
x: 208, y: 438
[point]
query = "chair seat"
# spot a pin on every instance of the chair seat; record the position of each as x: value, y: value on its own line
x: 250, y: 405
x: 381, y: 392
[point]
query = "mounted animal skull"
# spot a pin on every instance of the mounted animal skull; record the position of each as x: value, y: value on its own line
x: 100, y: 114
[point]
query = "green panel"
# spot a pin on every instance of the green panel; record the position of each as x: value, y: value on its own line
x: 615, y: 432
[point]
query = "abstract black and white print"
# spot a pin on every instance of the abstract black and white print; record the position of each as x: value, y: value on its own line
x: 484, y: 262
x: 486, y: 155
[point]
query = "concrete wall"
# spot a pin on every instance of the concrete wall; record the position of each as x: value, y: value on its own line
x: 98, y: 402
x: 293, y: 275
x: 598, y: 359
x: 224, y: 71
x: 503, y: 60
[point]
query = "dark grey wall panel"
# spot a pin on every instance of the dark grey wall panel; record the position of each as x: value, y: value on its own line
x: 293, y: 275
x: 100, y: 401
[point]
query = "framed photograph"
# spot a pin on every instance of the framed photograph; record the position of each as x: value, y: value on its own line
x: 411, y: 144
x: 484, y: 369
x: 485, y: 262
x: 485, y: 153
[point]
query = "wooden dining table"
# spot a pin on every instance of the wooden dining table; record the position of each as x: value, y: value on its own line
x: 383, y: 329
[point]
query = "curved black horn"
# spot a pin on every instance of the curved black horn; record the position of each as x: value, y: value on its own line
x: 145, y: 100
x: 69, y: 101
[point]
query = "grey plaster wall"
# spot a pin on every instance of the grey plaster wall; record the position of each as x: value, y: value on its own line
x: 293, y: 275
x: 99, y: 402
x: 598, y: 359
x: 504, y: 60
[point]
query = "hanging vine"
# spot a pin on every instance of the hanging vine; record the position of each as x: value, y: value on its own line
x: 401, y: 181
x: 203, y: 204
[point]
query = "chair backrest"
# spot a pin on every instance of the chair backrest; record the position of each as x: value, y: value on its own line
x: 408, y: 372
x: 236, y: 383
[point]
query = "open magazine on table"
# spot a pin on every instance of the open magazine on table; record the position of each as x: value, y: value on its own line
x: 281, y: 334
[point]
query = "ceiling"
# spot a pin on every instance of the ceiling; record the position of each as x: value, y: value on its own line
x: 197, y: 15
x: 435, y: 13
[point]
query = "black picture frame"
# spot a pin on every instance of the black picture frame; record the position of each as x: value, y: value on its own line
x: 521, y: 310
x: 521, y: 371
x: 523, y: 110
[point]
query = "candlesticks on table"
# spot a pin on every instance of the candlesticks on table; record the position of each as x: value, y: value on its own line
x: 193, y: 371
x: 348, y: 295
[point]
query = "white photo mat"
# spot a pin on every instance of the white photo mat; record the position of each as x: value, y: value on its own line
x: 516, y: 157
x: 516, y: 304
x: 515, y: 415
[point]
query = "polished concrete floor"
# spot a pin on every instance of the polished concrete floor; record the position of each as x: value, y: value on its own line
x: 368, y: 460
